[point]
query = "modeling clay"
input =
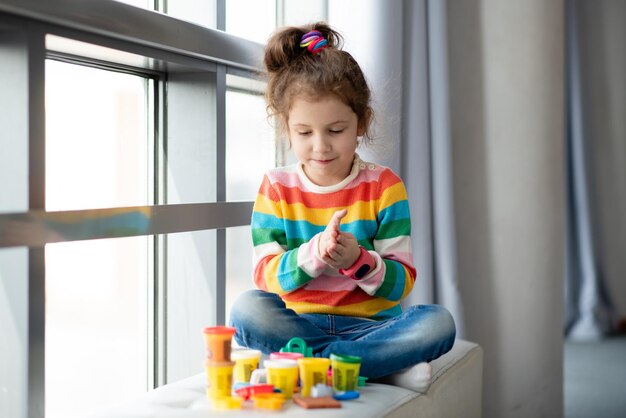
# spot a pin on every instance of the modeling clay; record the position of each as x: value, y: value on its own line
x: 323, y: 402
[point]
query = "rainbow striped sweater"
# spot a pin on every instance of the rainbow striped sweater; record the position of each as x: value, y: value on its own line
x: 291, y: 212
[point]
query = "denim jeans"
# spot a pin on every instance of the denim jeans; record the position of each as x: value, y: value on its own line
x: 420, y: 333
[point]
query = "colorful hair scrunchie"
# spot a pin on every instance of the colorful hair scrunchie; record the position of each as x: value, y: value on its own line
x: 313, y: 41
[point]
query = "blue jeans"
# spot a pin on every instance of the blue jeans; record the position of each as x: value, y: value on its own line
x: 421, y: 333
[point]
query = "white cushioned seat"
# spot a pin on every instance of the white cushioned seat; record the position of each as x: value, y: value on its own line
x: 455, y: 391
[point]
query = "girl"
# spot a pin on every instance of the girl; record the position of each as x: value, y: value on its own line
x: 332, y: 256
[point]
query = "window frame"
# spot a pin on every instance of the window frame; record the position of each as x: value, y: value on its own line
x: 172, y: 46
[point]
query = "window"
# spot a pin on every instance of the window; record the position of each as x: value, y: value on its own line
x: 96, y: 291
x: 256, y: 20
x: 96, y: 324
x: 253, y: 20
x: 126, y: 230
x: 97, y: 127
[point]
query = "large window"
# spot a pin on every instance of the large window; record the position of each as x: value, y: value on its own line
x: 133, y: 144
x: 96, y: 291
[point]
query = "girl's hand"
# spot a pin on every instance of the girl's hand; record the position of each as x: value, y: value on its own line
x: 344, y: 253
x: 328, y: 240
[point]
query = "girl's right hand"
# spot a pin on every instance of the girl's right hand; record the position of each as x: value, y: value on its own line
x: 328, y: 240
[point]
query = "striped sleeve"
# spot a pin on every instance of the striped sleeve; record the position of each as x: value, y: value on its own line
x: 277, y: 267
x: 394, y: 275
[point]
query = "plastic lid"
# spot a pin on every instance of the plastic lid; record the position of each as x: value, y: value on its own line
x: 286, y: 355
x: 219, y: 330
x: 345, y: 358
x: 247, y: 391
x: 244, y: 354
x: 346, y: 396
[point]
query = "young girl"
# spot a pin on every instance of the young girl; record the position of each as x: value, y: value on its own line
x: 332, y: 255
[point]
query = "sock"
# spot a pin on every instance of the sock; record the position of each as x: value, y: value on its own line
x: 416, y: 378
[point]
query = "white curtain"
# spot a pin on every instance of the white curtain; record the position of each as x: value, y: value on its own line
x: 595, y: 288
x: 401, y: 46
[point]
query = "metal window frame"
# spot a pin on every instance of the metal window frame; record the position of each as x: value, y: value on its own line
x: 135, y: 26
x: 171, y: 45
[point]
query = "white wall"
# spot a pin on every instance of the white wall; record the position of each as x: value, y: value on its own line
x: 507, y: 118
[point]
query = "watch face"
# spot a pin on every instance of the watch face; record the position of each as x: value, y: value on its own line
x: 362, y: 271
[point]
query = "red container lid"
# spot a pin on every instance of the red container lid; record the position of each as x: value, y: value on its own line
x: 219, y: 330
x: 284, y: 355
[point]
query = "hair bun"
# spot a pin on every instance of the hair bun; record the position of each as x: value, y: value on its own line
x: 284, y: 46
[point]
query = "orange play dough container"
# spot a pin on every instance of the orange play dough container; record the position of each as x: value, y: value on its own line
x: 218, y: 343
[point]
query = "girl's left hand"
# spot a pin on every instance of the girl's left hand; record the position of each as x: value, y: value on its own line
x: 343, y: 253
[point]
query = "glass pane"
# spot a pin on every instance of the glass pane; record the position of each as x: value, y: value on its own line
x: 297, y: 12
x: 254, y: 20
x: 200, y: 12
x: 96, y: 138
x: 96, y: 291
x: 96, y: 325
x: 250, y: 146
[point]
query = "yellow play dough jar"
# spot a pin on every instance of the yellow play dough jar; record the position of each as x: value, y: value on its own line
x: 219, y: 379
x: 312, y: 372
x: 246, y: 360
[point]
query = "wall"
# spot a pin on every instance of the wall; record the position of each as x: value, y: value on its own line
x: 506, y: 61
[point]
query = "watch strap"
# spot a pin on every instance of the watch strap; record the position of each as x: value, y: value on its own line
x: 363, y: 265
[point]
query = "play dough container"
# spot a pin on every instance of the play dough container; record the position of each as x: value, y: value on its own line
x: 288, y: 356
x: 246, y: 360
x: 219, y: 379
x: 282, y: 374
x: 345, y: 372
x: 312, y: 372
x: 218, y: 343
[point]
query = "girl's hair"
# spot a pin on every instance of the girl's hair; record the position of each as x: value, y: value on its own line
x: 294, y: 71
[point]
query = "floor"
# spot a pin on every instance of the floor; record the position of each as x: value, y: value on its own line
x: 595, y: 378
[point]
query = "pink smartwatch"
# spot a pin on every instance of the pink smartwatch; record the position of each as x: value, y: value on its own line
x: 363, y: 265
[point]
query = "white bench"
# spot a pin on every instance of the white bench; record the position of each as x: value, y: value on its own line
x: 455, y: 391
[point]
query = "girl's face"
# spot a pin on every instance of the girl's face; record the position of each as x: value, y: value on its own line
x: 323, y: 136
